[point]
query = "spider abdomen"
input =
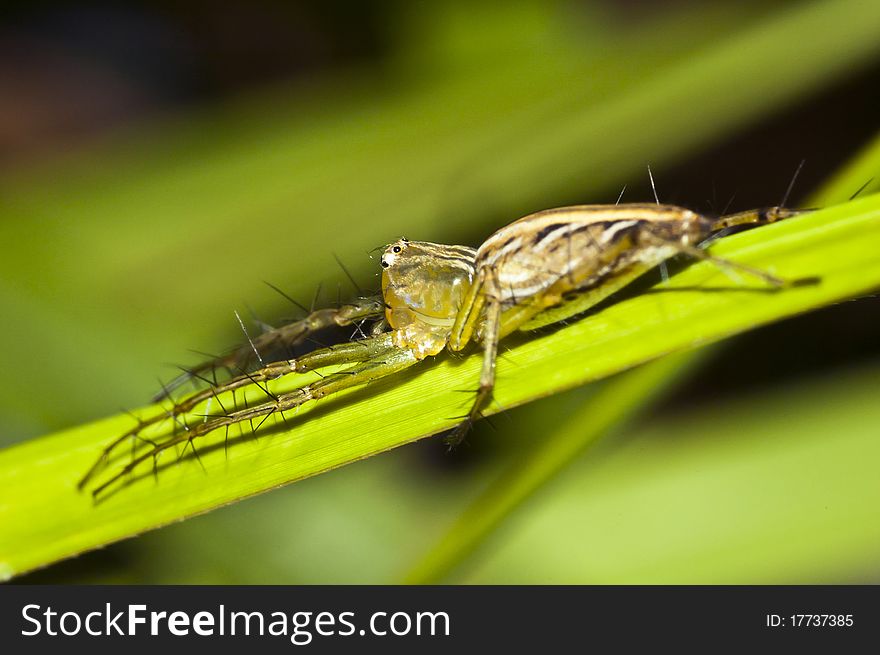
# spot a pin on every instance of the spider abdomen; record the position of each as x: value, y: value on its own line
x: 544, y: 257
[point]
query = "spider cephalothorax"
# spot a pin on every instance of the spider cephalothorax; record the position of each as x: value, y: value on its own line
x: 423, y: 287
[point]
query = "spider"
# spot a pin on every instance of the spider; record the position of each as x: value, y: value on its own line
x: 539, y: 270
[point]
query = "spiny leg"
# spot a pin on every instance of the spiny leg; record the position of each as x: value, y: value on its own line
x: 484, y: 296
x: 579, y: 301
x: 498, y: 324
x: 469, y: 314
x: 389, y: 363
x: 287, y: 335
x: 755, y: 217
x: 481, y: 303
x: 699, y: 253
x: 346, y: 353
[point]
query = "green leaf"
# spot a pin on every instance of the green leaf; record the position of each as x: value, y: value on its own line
x: 862, y: 174
x: 49, y: 519
x: 615, y: 402
x: 570, y: 121
x: 771, y: 485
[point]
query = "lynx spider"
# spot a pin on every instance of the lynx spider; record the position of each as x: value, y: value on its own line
x: 537, y: 271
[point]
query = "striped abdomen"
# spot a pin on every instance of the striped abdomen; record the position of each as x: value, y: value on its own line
x: 548, y: 254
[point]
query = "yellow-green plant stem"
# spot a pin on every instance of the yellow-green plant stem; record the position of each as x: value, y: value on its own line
x: 44, y: 518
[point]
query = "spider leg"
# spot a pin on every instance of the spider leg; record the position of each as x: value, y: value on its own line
x: 379, y: 327
x: 347, y: 353
x: 699, y: 253
x: 755, y: 217
x: 387, y: 362
x: 583, y: 299
x: 586, y: 298
x: 483, y: 296
x: 497, y: 324
x: 286, y: 335
x: 469, y: 314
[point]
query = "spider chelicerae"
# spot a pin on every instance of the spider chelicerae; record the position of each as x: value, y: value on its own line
x: 539, y: 270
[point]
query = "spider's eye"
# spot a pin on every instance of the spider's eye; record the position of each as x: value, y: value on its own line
x: 384, y: 264
x: 396, y: 249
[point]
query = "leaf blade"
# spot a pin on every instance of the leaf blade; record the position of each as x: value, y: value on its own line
x: 838, y: 243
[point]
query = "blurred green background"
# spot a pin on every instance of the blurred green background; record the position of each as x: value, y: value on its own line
x: 159, y: 162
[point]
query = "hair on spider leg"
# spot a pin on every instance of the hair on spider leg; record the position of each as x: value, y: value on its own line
x: 315, y: 297
x: 262, y: 388
x: 358, y: 330
x: 137, y: 418
x: 156, y: 468
x: 370, y: 252
x: 729, y: 202
x: 653, y: 185
x: 456, y: 437
x: 348, y: 274
x: 203, y: 354
x: 260, y: 323
x: 715, y: 236
x: 861, y: 188
x: 317, y: 342
x: 177, y: 409
x: 343, y: 373
x: 206, y: 416
x: 184, y: 377
x: 214, y: 375
x: 466, y: 421
x: 250, y: 420
x: 294, y: 302
x: 164, y: 394
x: 191, y: 443
x: 266, y: 418
x: 248, y: 337
x: 360, y: 327
x: 505, y: 354
x: 181, y: 420
x: 720, y: 234
x: 198, y: 376
x: 106, y: 454
x: 289, y: 351
x: 133, y: 453
x: 146, y: 440
x: 790, y: 188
